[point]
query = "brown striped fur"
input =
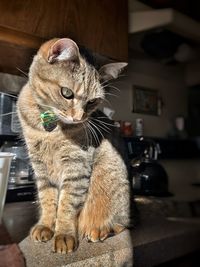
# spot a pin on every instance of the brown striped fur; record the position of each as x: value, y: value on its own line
x: 83, y: 188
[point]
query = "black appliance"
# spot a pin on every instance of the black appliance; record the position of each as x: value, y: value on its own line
x: 147, y: 175
x: 9, y: 123
x: 21, y: 184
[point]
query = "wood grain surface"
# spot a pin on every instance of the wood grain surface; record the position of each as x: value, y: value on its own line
x: 99, y: 25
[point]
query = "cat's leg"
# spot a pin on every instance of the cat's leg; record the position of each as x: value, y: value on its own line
x: 71, y: 199
x: 48, y: 197
x: 107, y: 206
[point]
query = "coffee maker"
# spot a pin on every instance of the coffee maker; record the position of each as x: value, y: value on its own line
x: 21, y: 180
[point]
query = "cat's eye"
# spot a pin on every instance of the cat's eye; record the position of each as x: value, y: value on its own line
x: 67, y: 93
x: 92, y: 104
x: 92, y: 101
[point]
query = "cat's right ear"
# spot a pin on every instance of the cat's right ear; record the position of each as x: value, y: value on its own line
x: 111, y: 71
x: 63, y: 49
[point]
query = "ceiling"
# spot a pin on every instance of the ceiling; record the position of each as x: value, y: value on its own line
x: 188, y: 7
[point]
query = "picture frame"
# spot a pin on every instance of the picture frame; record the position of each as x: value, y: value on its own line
x: 145, y: 100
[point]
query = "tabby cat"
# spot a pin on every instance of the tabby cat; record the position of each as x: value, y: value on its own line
x: 82, y: 182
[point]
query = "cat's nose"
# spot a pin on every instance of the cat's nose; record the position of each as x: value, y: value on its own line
x: 69, y: 119
x: 77, y: 119
x: 78, y: 115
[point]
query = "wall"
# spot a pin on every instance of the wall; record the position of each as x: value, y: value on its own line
x: 192, y: 76
x: 169, y: 80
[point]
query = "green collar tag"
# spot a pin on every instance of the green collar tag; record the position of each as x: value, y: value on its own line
x: 49, y: 120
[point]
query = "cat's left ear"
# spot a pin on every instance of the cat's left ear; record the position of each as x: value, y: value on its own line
x: 63, y: 49
x: 111, y: 70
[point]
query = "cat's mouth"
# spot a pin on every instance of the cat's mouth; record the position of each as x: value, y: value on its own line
x: 68, y: 119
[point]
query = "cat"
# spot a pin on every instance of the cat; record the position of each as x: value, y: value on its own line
x: 82, y: 183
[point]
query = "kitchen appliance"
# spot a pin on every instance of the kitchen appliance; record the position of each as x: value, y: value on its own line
x: 21, y: 180
x: 148, y: 177
x: 9, y: 123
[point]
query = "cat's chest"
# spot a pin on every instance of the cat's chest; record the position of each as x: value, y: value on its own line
x: 57, y: 153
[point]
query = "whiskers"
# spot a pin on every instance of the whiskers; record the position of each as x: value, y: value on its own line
x: 9, y: 113
x: 9, y: 95
x: 12, y: 112
x: 93, y: 134
x: 23, y: 72
x: 96, y: 129
x: 107, y: 83
x: 110, y: 93
x: 47, y: 106
x: 107, y: 101
x: 106, y: 125
x: 110, y: 85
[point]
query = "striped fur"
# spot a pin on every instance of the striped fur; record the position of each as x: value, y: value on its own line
x: 82, y: 188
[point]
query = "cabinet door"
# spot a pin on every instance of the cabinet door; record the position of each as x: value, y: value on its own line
x: 100, y: 25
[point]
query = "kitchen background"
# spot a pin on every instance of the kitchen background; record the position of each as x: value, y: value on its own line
x: 155, y: 103
x: 163, y: 55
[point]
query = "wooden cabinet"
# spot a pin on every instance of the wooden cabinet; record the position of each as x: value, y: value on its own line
x: 100, y: 25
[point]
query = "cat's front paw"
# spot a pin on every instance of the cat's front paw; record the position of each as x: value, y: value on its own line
x: 100, y: 234
x: 96, y: 235
x: 41, y: 233
x: 64, y: 243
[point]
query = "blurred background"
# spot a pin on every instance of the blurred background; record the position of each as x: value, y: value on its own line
x: 155, y: 104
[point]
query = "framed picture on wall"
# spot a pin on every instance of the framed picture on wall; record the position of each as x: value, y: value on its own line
x: 145, y: 100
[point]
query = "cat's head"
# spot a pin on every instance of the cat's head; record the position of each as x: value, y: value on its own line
x: 63, y: 81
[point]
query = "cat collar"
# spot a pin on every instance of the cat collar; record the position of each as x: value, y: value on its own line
x: 48, y: 120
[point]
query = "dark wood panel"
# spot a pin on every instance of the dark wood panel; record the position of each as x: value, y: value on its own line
x: 15, y: 37
x: 15, y: 57
x: 100, y: 25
